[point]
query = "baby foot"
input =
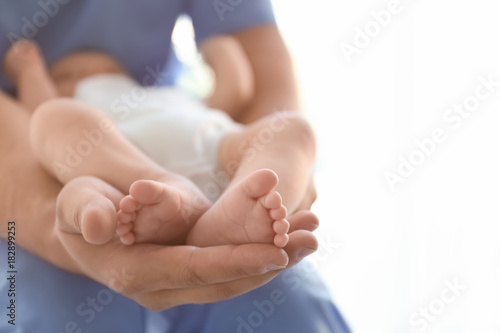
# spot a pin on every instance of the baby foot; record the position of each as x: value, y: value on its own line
x: 88, y: 205
x: 159, y: 212
x: 249, y: 212
x: 22, y: 57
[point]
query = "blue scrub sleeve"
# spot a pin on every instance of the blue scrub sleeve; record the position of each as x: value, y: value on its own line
x: 211, y: 17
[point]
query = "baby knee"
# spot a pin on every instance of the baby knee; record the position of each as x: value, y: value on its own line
x: 42, y: 120
x: 296, y: 129
x: 65, y: 115
x: 50, y: 111
x: 67, y: 112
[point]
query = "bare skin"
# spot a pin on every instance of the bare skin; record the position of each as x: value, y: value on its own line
x: 259, y: 218
x: 234, y: 82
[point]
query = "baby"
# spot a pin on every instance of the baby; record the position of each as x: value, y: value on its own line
x: 173, y: 138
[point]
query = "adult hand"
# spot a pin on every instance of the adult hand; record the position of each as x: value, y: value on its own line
x: 159, y: 277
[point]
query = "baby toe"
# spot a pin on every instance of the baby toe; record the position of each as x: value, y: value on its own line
x: 259, y: 183
x: 129, y: 205
x: 126, y: 217
x: 148, y: 192
x: 278, y: 213
x: 123, y: 228
x: 272, y: 200
x: 281, y: 240
x: 128, y: 238
x: 281, y: 226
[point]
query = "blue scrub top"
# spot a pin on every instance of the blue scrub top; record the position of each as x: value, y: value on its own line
x: 137, y: 33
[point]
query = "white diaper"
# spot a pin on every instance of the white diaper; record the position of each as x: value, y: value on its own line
x: 179, y: 133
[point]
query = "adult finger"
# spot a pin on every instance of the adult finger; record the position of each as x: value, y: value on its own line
x: 164, y: 299
x: 303, y: 220
x: 302, y: 243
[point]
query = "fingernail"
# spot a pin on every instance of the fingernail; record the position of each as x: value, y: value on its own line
x: 273, y: 267
x: 310, y: 227
x: 304, y: 252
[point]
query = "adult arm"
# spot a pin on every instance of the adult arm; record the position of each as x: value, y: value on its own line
x: 275, y: 83
x: 254, y: 74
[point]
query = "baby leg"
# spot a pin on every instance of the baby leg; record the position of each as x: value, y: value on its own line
x: 250, y: 208
x: 25, y: 67
x: 283, y: 142
x: 72, y: 140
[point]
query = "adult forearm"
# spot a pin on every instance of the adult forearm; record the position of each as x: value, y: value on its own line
x: 232, y: 73
x: 275, y: 83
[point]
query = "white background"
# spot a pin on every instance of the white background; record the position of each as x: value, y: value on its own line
x: 396, y: 249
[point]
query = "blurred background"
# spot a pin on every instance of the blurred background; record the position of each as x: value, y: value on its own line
x: 405, y: 100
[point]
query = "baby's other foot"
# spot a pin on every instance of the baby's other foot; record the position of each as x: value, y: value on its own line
x: 23, y: 56
x: 159, y: 212
x: 249, y: 212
